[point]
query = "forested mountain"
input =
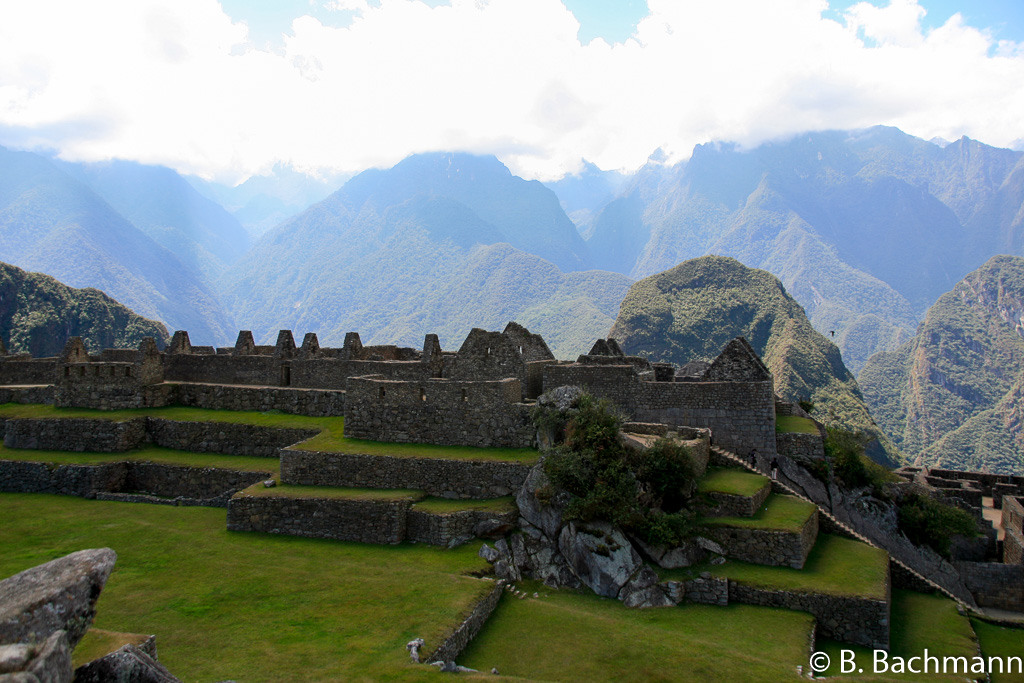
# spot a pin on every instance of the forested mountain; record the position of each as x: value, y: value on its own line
x: 865, y: 229
x: 439, y: 243
x: 952, y: 395
x: 690, y: 312
x: 160, y: 203
x: 38, y: 315
x: 53, y: 223
x: 583, y: 194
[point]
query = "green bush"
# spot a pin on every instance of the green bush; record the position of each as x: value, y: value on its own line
x: 927, y: 521
x: 849, y: 463
x: 643, y: 492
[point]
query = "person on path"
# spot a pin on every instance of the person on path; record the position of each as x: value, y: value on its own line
x: 753, y: 458
x: 775, y: 468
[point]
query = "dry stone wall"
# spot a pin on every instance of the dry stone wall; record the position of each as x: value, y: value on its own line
x: 74, y: 434
x: 730, y: 505
x: 437, y: 411
x: 437, y: 477
x: 187, y: 485
x: 802, y: 446
x: 294, y: 401
x: 1013, y: 526
x: 994, y: 584
x: 26, y: 370
x: 454, y: 644
x: 365, y: 521
x: 860, y: 621
x: 223, y: 437
x: 444, y: 529
x: 767, y: 546
x: 29, y: 394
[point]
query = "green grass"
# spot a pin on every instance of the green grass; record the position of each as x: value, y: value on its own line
x: 155, y: 454
x: 247, y: 606
x: 570, y: 636
x: 331, y: 436
x: 441, y: 506
x: 795, y: 424
x: 836, y: 566
x: 1002, y: 642
x: 293, y: 491
x: 97, y: 643
x: 919, y: 621
x: 779, y: 513
x: 732, y: 481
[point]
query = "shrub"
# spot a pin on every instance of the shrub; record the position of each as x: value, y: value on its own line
x: 849, y: 463
x: 927, y: 521
x: 643, y: 492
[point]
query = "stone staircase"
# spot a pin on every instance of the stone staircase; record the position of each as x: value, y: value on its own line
x: 841, y: 527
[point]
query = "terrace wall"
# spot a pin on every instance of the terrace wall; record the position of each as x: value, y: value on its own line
x: 291, y: 400
x: 767, y: 546
x: 994, y: 584
x: 364, y: 521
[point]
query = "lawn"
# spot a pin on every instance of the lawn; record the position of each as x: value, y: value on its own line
x: 836, y: 566
x: 294, y: 491
x: 779, y: 513
x: 251, y: 607
x: 795, y: 424
x: 732, y: 481
x: 331, y: 435
x: 441, y: 506
x: 919, y: 621
x: 563, y: 635
x: 1002, y: 642
x: 155, y: 454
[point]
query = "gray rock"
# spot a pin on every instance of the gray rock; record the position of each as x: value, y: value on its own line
x: 562, y: 398
x: 52, y: 663
x: 600, y: 555
x: 127, y: 665
x: 14, y: 657
x: 269, y: 483
x: 709, y: 545
x: 685, y: 555
x: 459, y: 540
x: 488, y: 553
x: 492, y: 528
x: 59, y: 595
x: 545, y: 515
x: 19, y: 677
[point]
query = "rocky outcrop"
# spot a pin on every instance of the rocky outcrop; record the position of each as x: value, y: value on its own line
x: 57, y: 596
x: 130, y: 664
x: 600, y: 555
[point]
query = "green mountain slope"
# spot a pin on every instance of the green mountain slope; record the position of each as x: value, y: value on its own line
x: 950, y: 395
x: 691, y: 311
x: 38, y: 315
x: 166, y: 207
x: 394, y: 262
x: 866, y: 229
x: 53, y: 223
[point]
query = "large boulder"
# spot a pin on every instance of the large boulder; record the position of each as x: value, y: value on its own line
x: 644, y: 591
x: 59, y: 595
x: 539, y: 504
x: 130, y: 664
x: 600, y: 555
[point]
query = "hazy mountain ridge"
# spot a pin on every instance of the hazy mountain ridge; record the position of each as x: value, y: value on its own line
x: 691, y: 311
x: 428, y: 246
x: 52, y: 223
x: 38, y: 314
x: 951, y: 394
x: 898, y: 218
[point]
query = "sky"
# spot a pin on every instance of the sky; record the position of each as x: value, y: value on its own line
x: 228, y: 89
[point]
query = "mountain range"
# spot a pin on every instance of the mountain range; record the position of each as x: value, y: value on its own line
x: 951, y: 396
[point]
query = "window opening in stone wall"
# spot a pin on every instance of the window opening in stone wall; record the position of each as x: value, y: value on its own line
x: 113, y: 371
x: 465, y: 396
x: 128, y: 372
x: 382, y: 392
x: 81, y: 371
x: 286, y: 375
x: 67, y: 371
x: 423, y: 394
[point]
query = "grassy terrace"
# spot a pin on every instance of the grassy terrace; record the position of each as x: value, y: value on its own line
x: 567, y: 636
x: 732, y: 481
x: 1002, y: 642
x: 441, y: 506
x: 331, y: 437
x: 293, y: 491
x: 836, y: 566
x: 795, y: 424
x: 246, y: 606
x: 164, y: 456
x: 919, y: 621
x: 779, y: 513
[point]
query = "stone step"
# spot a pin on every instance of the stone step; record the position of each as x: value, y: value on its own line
x: 733, y: 493
x: 780, y: 534
x: 368, y: 515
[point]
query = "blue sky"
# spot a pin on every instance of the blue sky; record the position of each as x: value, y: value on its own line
x: 229, y: 88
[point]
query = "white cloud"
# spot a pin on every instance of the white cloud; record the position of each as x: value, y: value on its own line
x: 176, y: 82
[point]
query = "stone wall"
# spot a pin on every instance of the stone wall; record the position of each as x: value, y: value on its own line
x: 994, y: 584
x: 223, y: 437
x: 704, y: 590
x: 15, y: 370
x: 443, y: 529
x: 27, y: 394
x: 435, y: 476
x: 740, y: 415
x: 802, y: 446
x: 438, y: 411
x: 223, y: 369
x: 291, y: 400
x: 730, y: 505
x: 464, y: 633
x: 860, y: 621
x: 188, y: 485
x: 75, y: 434
x: 767, y: 546
x: 1010, y: 485
x: 364, y: 521
x: 1013, y: 526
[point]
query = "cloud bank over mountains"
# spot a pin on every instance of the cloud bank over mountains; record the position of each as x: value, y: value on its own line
x: 179, y: 82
